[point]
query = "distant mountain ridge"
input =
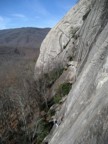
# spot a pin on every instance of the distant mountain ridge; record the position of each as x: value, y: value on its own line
x: 23, y: 37
x: 21, y: 42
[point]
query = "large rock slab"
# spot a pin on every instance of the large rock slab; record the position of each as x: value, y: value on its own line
x: 58, y: 45
x: 86, y: 112
x: 85, y: 119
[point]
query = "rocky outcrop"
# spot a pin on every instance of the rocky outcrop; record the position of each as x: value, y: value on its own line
x: 58, y: 46
x: 85, y: 119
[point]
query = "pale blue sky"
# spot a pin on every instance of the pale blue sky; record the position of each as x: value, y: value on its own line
x: 32, y: 13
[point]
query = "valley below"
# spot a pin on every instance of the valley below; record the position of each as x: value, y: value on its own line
x: 19, y: 50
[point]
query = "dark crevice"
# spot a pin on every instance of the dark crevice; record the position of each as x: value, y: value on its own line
x: 104, y: 16
x: 86, y: 15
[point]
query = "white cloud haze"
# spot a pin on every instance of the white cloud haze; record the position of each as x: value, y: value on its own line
x: 18, y: 15
x: 2, y: 23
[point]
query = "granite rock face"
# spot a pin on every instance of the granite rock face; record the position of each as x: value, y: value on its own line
x: 58, y: 46
x: 85, y: 119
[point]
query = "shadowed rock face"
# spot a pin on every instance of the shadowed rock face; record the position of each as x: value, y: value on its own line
x: 86, y: 109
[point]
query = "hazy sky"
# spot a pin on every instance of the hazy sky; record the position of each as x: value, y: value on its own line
x: 32, y: 13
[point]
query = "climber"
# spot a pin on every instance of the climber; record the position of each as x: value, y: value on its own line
x: 55, y: 122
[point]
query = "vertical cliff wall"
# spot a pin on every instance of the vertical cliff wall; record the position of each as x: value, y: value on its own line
x: 85, y: 118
